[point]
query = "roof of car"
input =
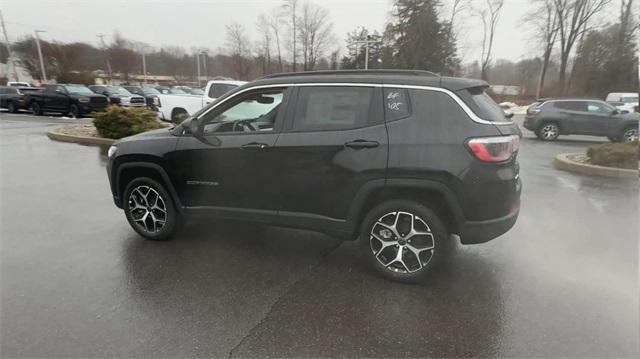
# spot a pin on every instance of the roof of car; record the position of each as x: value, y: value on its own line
x: 568, y: 99
x: 398, y: 77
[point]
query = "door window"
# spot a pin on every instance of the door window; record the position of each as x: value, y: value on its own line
x: 334, y: 107
x: 599, y: 107
x: 252, y: 112
x: 571, y: 105
x: 396, y: 104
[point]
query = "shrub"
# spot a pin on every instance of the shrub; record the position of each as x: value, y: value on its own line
x: 118, y: 122
x: 621, y: 155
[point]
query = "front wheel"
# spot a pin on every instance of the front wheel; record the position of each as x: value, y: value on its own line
x: 150, y: 209
x: 75, y: 111
x: 404, y: 240
x: 629, y: 134
x: 12, y: 107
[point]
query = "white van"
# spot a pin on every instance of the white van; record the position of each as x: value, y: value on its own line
x: 624, y: 101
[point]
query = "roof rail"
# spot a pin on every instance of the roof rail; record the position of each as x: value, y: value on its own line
x: 353, y: 72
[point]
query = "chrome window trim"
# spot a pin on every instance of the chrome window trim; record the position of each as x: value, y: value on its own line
x: 472, y: 115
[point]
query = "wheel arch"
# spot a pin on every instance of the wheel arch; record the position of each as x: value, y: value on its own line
x: 129, y: 171
x: 177, y: 110
x: 435, y: 195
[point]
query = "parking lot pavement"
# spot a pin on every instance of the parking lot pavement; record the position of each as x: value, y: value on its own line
x: 77, y: 281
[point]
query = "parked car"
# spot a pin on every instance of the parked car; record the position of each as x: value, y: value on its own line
x: 401, y: 159
x: 150, y: 95
x: 118, y: 95
x: 18, y: 84
x: 75, y: 100
x: 14, y: 98
x: 624, y: 101
x: 551, y: 118
x: 170, y: 90
x: 177, y: 108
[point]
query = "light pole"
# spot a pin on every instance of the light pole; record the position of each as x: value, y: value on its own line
x: 144, y: 64
x: 44, y: 73
x: 106, y: 56
x: 204, y: 64
x: 198, y: 66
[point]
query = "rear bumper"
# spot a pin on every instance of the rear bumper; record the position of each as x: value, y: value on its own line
x: 474, y: 232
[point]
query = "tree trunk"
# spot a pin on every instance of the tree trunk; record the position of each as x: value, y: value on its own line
x: 543, y: 73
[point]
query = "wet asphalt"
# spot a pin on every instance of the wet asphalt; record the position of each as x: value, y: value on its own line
x: 76, y: 281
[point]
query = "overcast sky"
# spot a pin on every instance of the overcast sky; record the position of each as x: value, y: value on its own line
x: 191, y: 23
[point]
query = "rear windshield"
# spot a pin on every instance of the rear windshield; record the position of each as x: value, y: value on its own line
x: 217, y: 90
x: 482, y: 104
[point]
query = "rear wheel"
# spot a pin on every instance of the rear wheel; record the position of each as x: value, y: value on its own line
x: 548, y: 131
x: 178, y: 115
x: 404, y: 240
x: 36, y: 109
x: 150, y: 209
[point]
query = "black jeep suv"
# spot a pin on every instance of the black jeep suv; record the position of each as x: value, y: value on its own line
x: 401, y: 159
x: 551, y: 118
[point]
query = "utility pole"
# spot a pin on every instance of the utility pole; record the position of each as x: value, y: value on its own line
x: 366, y: 43
x: 6, y: 39
x: 144, y: 64
x: 204, y: 64
x: 106, y: 57
x: 44, y: 73
x: 198, y: 65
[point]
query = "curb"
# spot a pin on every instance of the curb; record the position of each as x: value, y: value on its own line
x: 562, y: 162
x: 84, y: 140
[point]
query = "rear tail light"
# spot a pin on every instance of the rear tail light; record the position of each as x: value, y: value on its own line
x: 494, y: 149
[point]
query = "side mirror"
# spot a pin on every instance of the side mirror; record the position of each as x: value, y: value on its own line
x: 615, y: 112
x: 509, y: 115
x: 624, y: 112
x: 194, y: 128
x: 60, y: 92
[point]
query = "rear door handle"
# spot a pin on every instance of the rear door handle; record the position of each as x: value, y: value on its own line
x: 254, y: 146
x: 358, y: 144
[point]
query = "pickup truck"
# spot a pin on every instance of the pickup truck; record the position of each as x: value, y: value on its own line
x: 75, y: 100
x: 175, y: 108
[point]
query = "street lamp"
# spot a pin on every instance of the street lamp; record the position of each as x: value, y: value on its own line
x: 366, y: 43
x: 44, y: 73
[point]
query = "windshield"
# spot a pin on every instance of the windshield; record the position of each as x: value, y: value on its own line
x: 79, y: 90
x: 177, y: 92
x: 119, y: 91
x: 135, y: 90
x: 629, y: 99
x: 150, y: 91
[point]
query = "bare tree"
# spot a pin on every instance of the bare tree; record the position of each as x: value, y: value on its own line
x: 489, y: 16
x: 275, y: 22
x: 573, y: 16
x: 544, y: 20
x: 291, y: 8
x: 456, y: 8
x: 239, y: 51
x: 264, y: 29
x: 314, y: 33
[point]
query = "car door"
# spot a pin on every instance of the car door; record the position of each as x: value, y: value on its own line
x: 599, y: 119
x: 334, y: 142
x: 572, y: 116
x: 230, y: 166
x: 57, y: 99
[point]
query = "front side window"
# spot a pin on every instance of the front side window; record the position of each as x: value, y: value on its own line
x: 332, y: 107
x: 599, y: 107
x: 255, y: 111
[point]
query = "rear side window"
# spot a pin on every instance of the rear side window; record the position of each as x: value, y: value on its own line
x: 334, y: 107
x: 217, y: 90
x: 396, y: 104
x: 483, y: 105
x: 571, y: 105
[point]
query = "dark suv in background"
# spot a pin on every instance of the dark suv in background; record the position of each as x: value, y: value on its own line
x: 15, y: 98
x: 401, y: 159
x: 551, y: 118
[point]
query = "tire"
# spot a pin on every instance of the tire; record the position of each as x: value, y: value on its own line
x: 178, y: 115
x: 12, y: 107
x: 74, y: 111
x: 381, y: 239
x: 144, y: 194
x: 629, y: 134
x: 36, y: 109
x: 548, y: 131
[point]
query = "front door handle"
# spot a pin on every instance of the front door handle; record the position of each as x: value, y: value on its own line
x: 254, y: 146
x: 358, y: 144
